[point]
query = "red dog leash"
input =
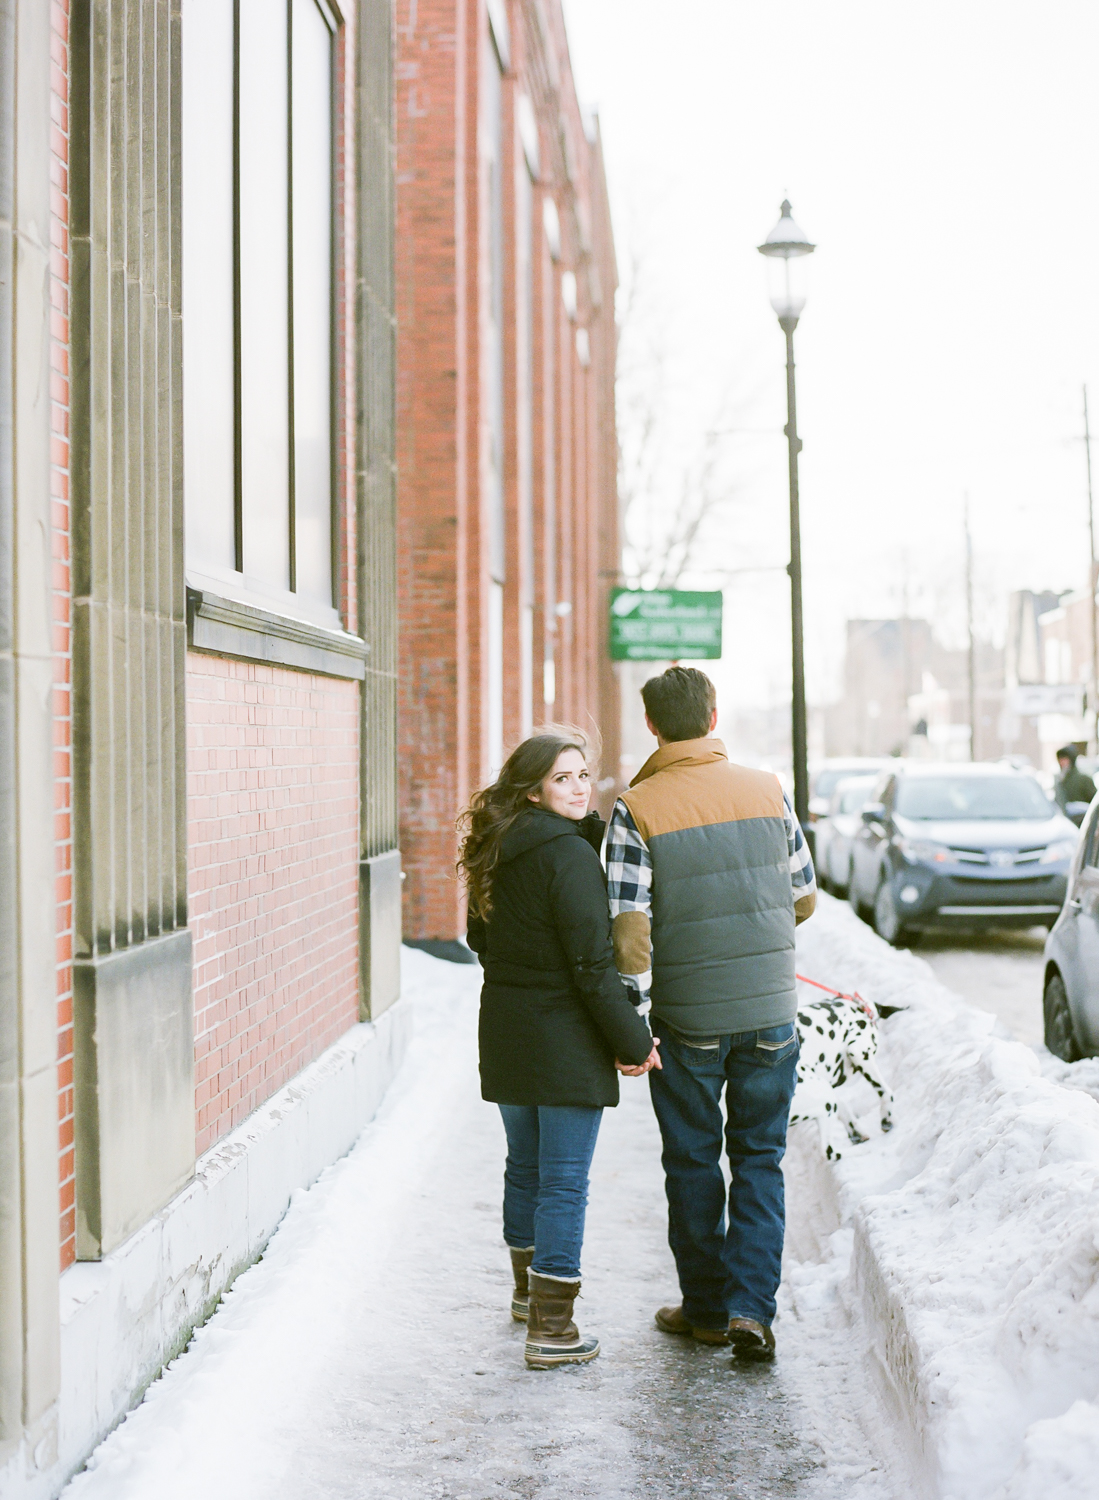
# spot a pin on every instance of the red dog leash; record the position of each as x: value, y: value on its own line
x: 856, y: 998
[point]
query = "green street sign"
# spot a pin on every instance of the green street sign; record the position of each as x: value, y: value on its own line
x: 665, y: 625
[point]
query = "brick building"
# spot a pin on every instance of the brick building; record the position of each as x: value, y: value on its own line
x: 905, y: 693
x: 1066, y: 635
x: 199, y: 876
x: 507, y: 454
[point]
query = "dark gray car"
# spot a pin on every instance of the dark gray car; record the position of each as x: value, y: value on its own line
x: 1071, y: 1000
x: 966, y: 845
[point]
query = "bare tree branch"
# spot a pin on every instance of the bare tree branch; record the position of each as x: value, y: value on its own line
x: 671, y: 487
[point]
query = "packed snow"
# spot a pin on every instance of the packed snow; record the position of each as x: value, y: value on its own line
x: 970, y: 1237
x: 938, y: 1328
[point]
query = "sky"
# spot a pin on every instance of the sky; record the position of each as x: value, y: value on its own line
x: 942, y: 156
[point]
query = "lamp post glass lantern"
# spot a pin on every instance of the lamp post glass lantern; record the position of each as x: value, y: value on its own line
x: 786, y: 247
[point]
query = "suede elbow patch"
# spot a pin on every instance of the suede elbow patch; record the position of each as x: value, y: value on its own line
x: 632, y: 948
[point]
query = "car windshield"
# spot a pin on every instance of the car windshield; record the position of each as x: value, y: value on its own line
x: 827, y: 781
x: 854, y: 796
x: 961, y: 798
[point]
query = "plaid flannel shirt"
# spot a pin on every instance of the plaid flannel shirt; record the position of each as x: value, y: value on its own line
x: 630, y: 875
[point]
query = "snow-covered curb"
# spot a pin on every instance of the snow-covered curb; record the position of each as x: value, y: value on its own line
x: 973, y: 1235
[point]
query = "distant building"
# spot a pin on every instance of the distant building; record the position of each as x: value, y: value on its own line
x: 507, y: 452
x: 1024, y: 666
x: 907, y: 694
x: 1065, y: 633
x: 1024, y: 658
x: 884, y: 663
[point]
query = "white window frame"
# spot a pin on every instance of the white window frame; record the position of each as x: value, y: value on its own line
x: 207, y: 575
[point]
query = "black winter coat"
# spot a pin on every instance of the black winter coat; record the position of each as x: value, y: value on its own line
x: 554, y: 1013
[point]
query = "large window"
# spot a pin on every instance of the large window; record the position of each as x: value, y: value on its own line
x: 492, y: 150
x: 257, y: 293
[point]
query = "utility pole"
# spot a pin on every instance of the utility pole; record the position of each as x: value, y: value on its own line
x: 906, y: 651
x: 1093, y: 687
x: 972, y: 641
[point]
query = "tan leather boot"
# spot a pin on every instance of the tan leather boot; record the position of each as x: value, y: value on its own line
x: 671, y: 1320
x: 751, y: 1340
x: 552, y: 1336
x: 520, y: 1265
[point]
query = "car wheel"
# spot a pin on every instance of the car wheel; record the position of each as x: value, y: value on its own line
x: 843, y: 887
x: 1059, y: 1035
x: 887, y: 919
x: 853, y: 896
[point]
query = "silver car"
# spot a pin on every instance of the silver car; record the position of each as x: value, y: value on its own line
x: 837, y: 832
x: 1071, y: 1000
x: 828, y: 775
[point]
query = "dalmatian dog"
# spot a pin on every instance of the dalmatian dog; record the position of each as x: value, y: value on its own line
x: 839, y: 1039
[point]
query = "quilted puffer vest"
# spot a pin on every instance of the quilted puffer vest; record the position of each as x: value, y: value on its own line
x: 723, y: 905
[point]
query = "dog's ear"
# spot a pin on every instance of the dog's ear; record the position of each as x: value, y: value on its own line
x: 865, y: 1005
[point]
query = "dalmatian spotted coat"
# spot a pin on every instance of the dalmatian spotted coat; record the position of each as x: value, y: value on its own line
x: 839, y: 1039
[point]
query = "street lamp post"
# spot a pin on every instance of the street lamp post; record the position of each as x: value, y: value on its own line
x: 785, y: 247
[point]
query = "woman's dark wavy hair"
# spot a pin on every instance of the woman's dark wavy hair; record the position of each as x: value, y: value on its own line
x: 495, y: 808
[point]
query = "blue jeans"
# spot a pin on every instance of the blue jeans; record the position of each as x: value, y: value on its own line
x: 550, y: 1149
x: 729, y: 1263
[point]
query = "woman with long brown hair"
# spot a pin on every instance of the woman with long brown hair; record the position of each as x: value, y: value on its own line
x: 556, y: 1020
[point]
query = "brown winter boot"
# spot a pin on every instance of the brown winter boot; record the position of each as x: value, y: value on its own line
x: 751, y: 1340
x: 520, y: 1265
x: 671, y: 1320
x: 552, y: 1336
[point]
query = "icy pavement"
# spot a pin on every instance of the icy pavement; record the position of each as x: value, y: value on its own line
x: 370, y: 1354
x: 1003, y: 972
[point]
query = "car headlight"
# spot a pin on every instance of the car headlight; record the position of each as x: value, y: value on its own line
x: 923, y: 850
x: 1055, y: 853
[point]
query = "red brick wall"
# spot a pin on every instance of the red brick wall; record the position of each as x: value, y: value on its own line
x: 273, y: 793
x: 442, y: 284
x: 430, y: 459
x: 62, y: 652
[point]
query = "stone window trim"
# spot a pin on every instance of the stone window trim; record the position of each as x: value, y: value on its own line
x: 228, y: 620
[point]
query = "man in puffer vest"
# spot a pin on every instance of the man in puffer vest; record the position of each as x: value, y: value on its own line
x: 708, y: 874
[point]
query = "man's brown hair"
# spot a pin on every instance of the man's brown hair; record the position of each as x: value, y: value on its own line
x: 680, y: 703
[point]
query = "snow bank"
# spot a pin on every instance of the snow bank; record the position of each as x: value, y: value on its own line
x: 973, y: 1233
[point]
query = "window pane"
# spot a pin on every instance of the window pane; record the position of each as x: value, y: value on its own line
x: 208, y: 422
x: 524, y: 396
x: 311, y: 111
x: 264, y: 291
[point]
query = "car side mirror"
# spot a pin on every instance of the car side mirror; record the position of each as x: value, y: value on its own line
x: 874, y: 812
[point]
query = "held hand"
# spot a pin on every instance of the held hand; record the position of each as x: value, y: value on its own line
x: 652, y: 1061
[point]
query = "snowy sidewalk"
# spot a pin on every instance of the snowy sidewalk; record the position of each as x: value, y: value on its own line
x: 370, y: 1354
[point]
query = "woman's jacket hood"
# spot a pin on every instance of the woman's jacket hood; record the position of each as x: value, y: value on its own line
x: 537, y: 825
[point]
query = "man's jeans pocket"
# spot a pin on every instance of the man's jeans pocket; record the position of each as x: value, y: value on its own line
x: 775, y: 1045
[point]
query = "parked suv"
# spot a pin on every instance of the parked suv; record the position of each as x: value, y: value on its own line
x: 1071, y: 999
x: 960, y: 845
